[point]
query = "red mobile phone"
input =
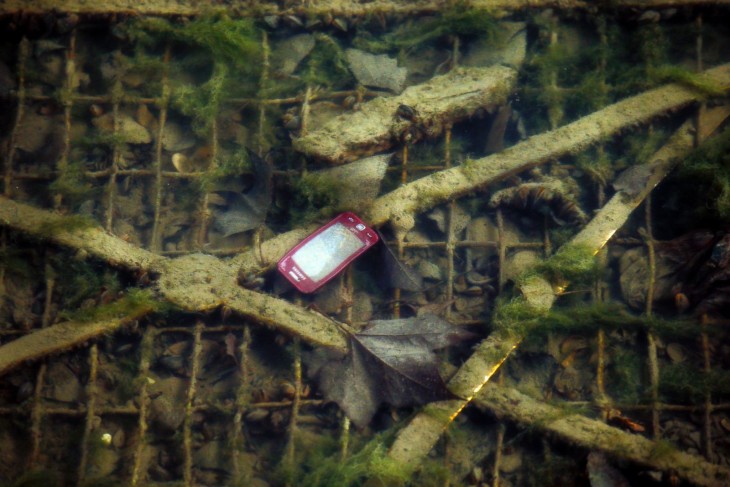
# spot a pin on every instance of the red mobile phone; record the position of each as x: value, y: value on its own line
x: 322, y: 255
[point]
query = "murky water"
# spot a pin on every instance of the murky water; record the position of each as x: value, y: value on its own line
x: 578, y: 235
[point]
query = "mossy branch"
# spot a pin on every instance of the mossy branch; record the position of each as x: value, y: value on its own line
x: 593, y: 434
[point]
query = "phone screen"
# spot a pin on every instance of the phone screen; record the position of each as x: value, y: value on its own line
x: 326, y: 251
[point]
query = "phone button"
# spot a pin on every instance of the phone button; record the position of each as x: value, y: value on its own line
x: 360, y: 227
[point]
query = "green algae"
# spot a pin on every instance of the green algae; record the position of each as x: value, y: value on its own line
x: 134, y: 302
x: 710, y: 164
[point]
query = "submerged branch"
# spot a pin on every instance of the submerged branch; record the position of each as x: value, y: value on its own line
x: 59, y: 338
x: 77, y: 233
x: 593, y: 434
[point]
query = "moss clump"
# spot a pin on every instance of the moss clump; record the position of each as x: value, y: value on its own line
x: 66, y: 224
x: 457, y: 20
x: 202, y: 103
x: 230, y: 49
x: 571, y: 264
x: 326, y: 64
x: 234, y: 42
x: 72, y: 185
x: 314, y: 196
x: 515, y: 318
x: 624, y: 375
x: 662, y: 450
x: 685, y: 77
x: 685, y: 382
x: 322, y: 466
x: 710, y: 163
x: 135, y: 302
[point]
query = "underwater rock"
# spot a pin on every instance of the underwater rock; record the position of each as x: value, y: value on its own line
x: 429, y: 270
x: 676, y: 353
x: 440, y: 102
x: 359, y: 181
x: 211, y: 455
x: 695, y: 265
x: 103, y: 462
x: 603, y: 474
x: 175, y: 138
x: 460, y: 218
x: 485, y: 52
x: 634, y: 179
x: 376, y: 70
x: 245, y: 210
x: 36, y: 132
x: 287, y: 55
x: 131, y: 131
x: 63, y: 385
x: 510, y: 463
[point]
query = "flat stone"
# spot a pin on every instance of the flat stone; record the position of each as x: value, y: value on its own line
x: 376, y: 70
x: 287, y: 55
x: 63, y: 385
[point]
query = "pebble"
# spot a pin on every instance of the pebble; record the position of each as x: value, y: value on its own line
x: 376, y: 71
x: 35, y: 131
x: 167, y: 410
x: 429, y: 270
x: 676, y: 353
x: 103, y: 463
x: 211, y: 455
x: 289, y: 53
x: 459, y: 216
x: 63, y: 386
x: 131, y: 131
x: 175, y: 138
x: 510, y: 463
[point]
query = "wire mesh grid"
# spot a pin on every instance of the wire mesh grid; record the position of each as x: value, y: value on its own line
x: 93, y: 414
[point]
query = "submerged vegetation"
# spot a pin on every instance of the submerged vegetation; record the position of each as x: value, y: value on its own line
x: 458, y: 20
x: 710, y: 163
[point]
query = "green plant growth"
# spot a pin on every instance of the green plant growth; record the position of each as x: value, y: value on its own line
x: 326, y: 65
x: 710, y: 163
x: 315, y: 196
x: 624, y: 375
x: 683, y: 76
x: 685, y: 382
x: 66, y: 223
x: 571, y: 264
x: 72, y: 185
x: 229, y: 48
x: 202, y: 103
x: 662, y: 450
x: 515, y: 318
x: 135, y: 302
x: 322, y: 464
x: 458, y: 20
x: 232, y: 42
